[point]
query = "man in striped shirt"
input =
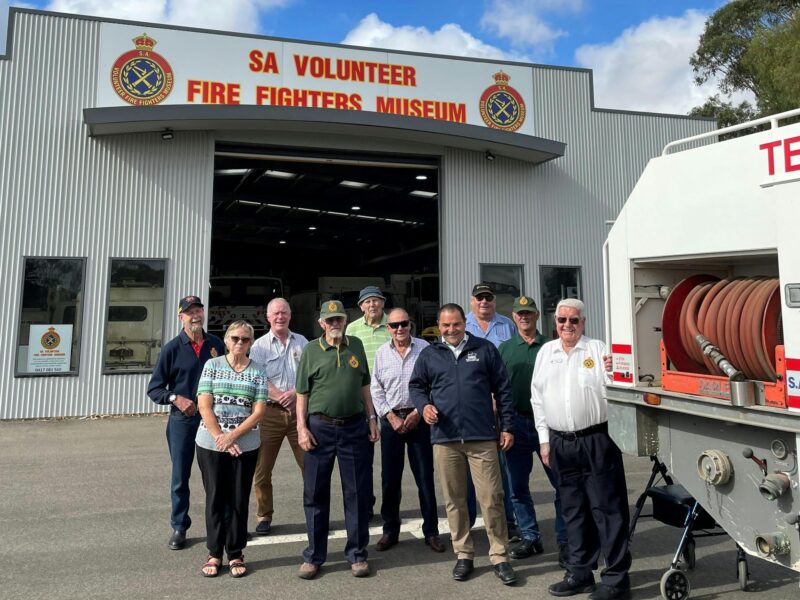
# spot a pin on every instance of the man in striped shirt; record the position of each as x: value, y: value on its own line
x: 371, y: 330
x: 402, y: 428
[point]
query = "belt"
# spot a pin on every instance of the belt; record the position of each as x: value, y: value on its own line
x: 571, y: 436
x: 339, y: 421
x: 403, y: 412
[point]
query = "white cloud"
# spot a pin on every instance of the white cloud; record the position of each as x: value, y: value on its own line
x: 647, y: 66
x: 230, y: 15
x: 448, y: 39
x: 523, y: 22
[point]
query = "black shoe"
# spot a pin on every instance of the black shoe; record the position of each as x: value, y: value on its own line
x: 563, y: 555
x: 514, y: 534
x: 607, y: 592
x: 177, y: 540
x: 526, y: 548
x: 462, y: 569
x: 263, y: 527
x: 570, y: 586
x: 506, y: 574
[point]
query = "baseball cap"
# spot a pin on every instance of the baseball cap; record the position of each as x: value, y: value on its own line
x: 482, y: 288
x: 371, y: 291
x: 187, y: 302
x: 525, y: 303
x: 331, y: 308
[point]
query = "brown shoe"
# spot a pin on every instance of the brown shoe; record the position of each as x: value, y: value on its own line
x: 385, y: 542
x: 435, y: 543
x: 307, y: 571
x: 360, y: 569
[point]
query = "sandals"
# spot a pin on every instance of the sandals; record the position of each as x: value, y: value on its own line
x: 212, y: 566
x: 237, y: 563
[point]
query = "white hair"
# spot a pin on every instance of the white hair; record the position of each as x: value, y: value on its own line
x: 571, y: 303
x: 275, y: 301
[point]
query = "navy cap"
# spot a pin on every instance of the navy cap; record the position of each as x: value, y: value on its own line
x: 188, y: 302
x: 371, y: 291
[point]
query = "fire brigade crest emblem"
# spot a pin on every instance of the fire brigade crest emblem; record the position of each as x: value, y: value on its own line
x: 50, y: 340
x: 141, y: 77
x: 501, y: 106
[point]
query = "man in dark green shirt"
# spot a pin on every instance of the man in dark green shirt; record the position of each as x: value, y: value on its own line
x: 519, y: 356
x: 335, y: 419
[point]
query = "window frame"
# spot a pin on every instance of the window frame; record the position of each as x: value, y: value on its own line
x: 139, y: 371
x: 75, y: 330
x: 543, y: 311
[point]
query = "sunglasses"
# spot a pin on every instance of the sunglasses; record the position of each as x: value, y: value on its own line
x: 398, y: 324
x: 236, y: 339
x: 572, y: 320
x: 487, y: 297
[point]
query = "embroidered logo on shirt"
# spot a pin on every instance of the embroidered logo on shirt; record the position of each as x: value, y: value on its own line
x: 588, y: 363
x: 213, y: 352
x: 472, y: 357
x: 353, y: 362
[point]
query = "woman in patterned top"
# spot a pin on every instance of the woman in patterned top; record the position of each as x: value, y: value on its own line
x: 231, y: 398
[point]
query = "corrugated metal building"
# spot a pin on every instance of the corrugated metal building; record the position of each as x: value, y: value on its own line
x: 98, y: 204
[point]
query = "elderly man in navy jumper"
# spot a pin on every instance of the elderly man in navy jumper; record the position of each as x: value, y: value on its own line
x: 174, y: 382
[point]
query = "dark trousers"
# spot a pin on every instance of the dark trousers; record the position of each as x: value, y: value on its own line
x: 227, y: 480
x: 181, y: 431
x: 420, y: 457
x: 349, y: 444
x: 594, y: 503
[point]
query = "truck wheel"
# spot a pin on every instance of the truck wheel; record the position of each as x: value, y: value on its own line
x: 675, y: 585
x: 689, y: 553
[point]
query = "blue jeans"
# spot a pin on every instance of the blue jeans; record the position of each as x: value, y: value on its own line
x: 519, y: 464
x: 181, y: 431
x: 349, y: 445
x: 472, y: 507
x: 420, y: 457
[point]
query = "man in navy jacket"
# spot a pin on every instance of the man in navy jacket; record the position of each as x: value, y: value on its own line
x: 174, y: 382
x: 452, y: 387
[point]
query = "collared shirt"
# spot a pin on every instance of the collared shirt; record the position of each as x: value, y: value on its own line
x: 500, y: 329
x: 279, y: 361
x: 519, y: 357
x: 372, y: 337
x: 458, y: 348
x: 391, y: 376
x: 567, y: 388
x: 332, y: 377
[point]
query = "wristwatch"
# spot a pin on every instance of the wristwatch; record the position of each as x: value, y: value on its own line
x: 172, y: 398
x: 372, y: 418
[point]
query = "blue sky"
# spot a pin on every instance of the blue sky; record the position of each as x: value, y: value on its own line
x: 638, y: 49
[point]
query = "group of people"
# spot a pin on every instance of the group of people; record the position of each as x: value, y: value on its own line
x: 474, y: 405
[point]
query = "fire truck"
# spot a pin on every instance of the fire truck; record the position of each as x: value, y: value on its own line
x: 702, y: 301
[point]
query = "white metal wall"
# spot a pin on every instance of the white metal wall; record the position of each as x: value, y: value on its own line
x: 65, y: 194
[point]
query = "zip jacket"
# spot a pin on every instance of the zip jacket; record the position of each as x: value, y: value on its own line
x: 461, y: 390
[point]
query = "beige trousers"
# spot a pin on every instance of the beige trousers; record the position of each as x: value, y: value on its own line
x: 275, y: 425
x: 451, y: 465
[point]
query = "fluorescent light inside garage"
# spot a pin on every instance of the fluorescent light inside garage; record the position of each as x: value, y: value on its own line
x: 280, y: 174
x: 423, y: 194
x: 353, y: 184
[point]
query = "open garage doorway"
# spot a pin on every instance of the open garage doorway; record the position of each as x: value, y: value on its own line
x: 313, y: 227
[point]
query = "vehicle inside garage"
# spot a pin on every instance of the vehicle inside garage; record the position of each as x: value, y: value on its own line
x: 312, y: 227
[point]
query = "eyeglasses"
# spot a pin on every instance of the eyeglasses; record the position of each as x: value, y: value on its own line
x: 572, y: 320
x: 236, y: 339
x: 398, y: 324
x: 486, y: 297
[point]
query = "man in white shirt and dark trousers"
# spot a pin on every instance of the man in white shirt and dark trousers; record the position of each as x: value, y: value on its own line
x: 572, y: 422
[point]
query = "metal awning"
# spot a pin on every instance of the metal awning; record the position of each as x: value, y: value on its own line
x: 138, y: 119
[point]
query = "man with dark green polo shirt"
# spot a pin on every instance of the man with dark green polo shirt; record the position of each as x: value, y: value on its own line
x: 335, y: 420
x: 519, y: 356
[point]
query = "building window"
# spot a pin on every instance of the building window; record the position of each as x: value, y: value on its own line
x: 135, y: 315
x: 556, y: 283
x: 50, y: 317
x: 506, y: 280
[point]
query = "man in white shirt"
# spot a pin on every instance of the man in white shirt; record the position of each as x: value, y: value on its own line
x: 571, y: 417
x: 279, y: 353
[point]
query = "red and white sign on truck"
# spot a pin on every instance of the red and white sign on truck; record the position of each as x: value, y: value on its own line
x: 702, y: 279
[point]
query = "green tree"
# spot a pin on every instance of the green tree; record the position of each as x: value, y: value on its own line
x: 751, y: 45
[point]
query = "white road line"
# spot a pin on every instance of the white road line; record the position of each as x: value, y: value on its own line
x: 412, y: 526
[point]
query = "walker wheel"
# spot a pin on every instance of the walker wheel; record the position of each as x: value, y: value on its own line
x: 675, y: 585
x: 741, y: 569
x: 689, y: 554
